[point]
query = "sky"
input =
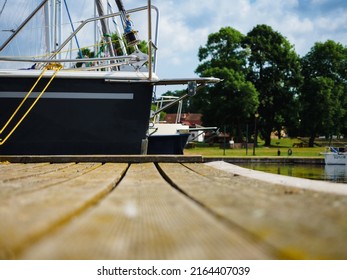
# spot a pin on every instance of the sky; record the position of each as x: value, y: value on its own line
x: 186, y: 24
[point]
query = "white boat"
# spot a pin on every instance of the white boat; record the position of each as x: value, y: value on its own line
x: 171, y: 138
x: 50, y: 106
x: 335, y: 156
x: 167, y: 138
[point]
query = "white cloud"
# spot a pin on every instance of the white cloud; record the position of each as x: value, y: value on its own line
x: 318, y: 2
x: 186, y: 24
x: 302, y: 24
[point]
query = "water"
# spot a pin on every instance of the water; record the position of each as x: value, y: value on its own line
x: 332, y: 173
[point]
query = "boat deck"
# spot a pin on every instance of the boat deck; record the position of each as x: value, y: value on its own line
x: 162, y: 210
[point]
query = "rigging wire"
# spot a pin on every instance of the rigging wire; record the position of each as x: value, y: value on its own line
x: 3, y: 8
x: 73, y: 29
x: 117, y: 29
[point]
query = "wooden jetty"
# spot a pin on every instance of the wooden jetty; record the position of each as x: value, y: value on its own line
x: 157, y: 209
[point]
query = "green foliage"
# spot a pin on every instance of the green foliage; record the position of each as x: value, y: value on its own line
x: 235, y: 99
x: 323, y: 94
x: 262, y: 74
x: 274, y: 69
x: 142, y: 45
x: 186, y: 105
x: 85, y: 53
x: 162, y: 115
x: 116, y: 41
x: 263, y: 151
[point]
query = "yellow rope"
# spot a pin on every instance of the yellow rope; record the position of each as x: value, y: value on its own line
x: 25, y: 98
x: 57, y: 69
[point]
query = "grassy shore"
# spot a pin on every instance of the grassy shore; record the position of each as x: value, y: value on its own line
x: 282, y: 145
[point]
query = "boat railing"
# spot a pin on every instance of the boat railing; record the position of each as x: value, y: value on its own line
x: 127, y: 59
x: 192, y: 89
x: 172, y: 100
x: 111, y: 61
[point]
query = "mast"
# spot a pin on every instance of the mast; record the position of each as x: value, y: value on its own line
x: 57, y: 25
x: 121, y: 42
x: 122, y: 10
x: 121, y: 7
x: 104, y: 27
x: 129, y: 34
x: 47, y: 16
x: 149, y: 40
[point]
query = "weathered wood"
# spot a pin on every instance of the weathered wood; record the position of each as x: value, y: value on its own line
x: 28, y: 170
x: 19, y: 182
x: 145, y: 218
x: 158, y: 158
x: 182, y: 211
x: 8, y: 166
x: 28, y: 217
x: 100, y: 158
x: 300, y: 224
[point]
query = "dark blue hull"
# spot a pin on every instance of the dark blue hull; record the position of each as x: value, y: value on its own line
x: 167, y: 144
x: 76, y: 116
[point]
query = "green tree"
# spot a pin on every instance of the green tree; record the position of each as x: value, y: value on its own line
x: 186, y: 102
x: 234, y: 100
x: 85, y: 53
x: 142, y: 45
x: 323, y: 94
x: 274, y: 69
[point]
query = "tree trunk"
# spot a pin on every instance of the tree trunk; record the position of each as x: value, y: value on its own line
x: 267, y: 140
x: 311, y: 141
x: 266, y: 133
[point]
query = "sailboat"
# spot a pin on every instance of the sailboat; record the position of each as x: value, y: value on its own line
x: 60, y: 104
x: 335, y: 156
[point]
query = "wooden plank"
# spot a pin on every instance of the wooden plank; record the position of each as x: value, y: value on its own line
x: 7, y: 166
x: 26, y: 218
x: 300, y: 224
x: 157, y: 158
x: 145, y: 218
x: 101, y: 158
x: 28, y: 170
x: 19, y: 182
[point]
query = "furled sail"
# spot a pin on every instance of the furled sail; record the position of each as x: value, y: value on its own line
x: 32, y: 39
